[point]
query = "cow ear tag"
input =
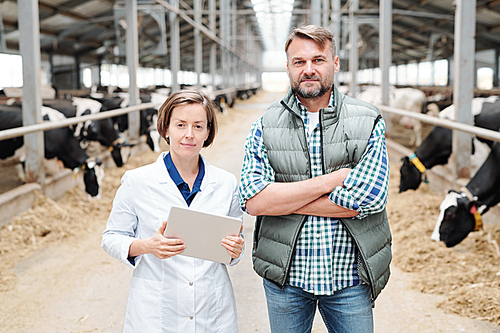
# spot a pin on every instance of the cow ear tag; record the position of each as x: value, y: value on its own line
x: 477, y: 218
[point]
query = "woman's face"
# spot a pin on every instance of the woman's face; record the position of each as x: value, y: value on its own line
x: 187, y: 131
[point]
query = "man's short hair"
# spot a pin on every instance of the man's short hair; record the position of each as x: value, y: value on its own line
x: 319, y: 35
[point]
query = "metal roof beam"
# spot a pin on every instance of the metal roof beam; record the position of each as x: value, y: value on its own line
x: 209, y: 33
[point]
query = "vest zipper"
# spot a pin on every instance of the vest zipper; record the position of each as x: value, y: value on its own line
x: 321, y: 141
x: 310, y: 176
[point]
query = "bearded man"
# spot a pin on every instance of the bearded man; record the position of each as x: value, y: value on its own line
x: 315, y: 174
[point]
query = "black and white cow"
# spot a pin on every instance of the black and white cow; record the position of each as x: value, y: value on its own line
x: 101, y: 130
x: 436, y: 148
x: 58, y: 142
x: 460, y: 212
x: 148, y: 117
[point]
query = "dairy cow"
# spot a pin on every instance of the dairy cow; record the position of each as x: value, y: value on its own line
x: 148, y: 117
x: 102, y: 131
x: 460, y: 212
x: 408, y: 99
x: 58, y: 142
x: 436, y: 148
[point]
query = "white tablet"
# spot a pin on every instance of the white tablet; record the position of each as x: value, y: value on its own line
x: 202, y: 232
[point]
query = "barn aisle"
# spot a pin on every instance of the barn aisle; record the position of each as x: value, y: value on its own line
x: 67, y: 283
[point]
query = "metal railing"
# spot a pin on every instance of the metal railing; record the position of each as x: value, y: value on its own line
x: 45, y: 126
x: 478, y: 131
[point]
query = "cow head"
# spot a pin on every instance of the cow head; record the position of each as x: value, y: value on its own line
x: 93, y: 175
x: 121, y: 152
x: 411, y: 177
x: 458, y: 216
x: 116, y: 153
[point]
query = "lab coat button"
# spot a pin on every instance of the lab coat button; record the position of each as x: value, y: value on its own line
x: 190, y: 317
x: 190, y: 283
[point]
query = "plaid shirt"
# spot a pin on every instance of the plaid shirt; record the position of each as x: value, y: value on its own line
x: 325, y: 256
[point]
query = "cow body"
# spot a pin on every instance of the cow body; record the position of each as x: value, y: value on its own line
x: 147, y: 125
x: 102, y: 130
x: 460, y: 212
x: 437, y: 146
x: 408, y: 99
x: 59, y: 143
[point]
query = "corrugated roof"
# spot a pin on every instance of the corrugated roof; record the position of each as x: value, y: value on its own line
x: 88, y: 28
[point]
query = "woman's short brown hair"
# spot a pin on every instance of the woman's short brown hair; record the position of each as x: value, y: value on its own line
x: 318, y: 34
x: 186, y: 97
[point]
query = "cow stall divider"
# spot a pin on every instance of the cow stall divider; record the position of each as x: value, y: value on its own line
x: 20, y: 199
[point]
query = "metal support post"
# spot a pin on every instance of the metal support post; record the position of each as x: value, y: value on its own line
x: 463, y: 86
x: 496, y: 69
x: 3, y: 42
x: 29, y: 45
x: 385, y: 37
x: 336, y: 33
x: 175, y: 64
x: 449, y: 75
x: 353, y: 40
x: 326, y: 13
x: 224, y: 32
x: 133, y: 64
x: 316, y: 12
x: 213, y: 47
x: 78, y: 74
x: 234, y: 44
x: 198, y: 46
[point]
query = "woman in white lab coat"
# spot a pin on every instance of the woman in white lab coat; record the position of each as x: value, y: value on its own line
x: 170, y: 292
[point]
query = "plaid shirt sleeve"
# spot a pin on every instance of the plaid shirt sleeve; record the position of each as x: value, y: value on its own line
x: 366, y: 187
x: 256, y: 172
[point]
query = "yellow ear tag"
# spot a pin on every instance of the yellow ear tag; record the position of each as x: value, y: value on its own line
x: 416, y: 162
x: 477, y: 218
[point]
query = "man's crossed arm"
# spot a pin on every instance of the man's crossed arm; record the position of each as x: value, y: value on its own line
x: 307, y: 197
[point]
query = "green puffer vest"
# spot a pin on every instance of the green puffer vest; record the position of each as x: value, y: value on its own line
x: 345, y: 132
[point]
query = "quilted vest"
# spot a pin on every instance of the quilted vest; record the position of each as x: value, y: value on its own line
x: 345, y: 132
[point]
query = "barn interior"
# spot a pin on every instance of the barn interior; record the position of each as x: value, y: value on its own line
x: 233, y: 51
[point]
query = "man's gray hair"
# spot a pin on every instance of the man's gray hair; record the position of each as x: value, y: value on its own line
x: 318, y: 34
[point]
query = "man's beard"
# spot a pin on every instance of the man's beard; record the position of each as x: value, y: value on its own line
x: 324, y: 87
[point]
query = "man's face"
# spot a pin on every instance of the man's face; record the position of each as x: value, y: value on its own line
x: 310, y: 69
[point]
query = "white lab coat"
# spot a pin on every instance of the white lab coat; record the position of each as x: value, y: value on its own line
x: 179, y: 294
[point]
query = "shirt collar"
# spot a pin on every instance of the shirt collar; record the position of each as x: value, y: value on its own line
x: 303, y: 109
x: 176, y: 177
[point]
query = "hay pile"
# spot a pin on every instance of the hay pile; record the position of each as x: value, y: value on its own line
x: 468, y: 275
x: 49, y: 223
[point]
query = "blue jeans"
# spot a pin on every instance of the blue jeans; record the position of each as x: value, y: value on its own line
x: 292, y: 310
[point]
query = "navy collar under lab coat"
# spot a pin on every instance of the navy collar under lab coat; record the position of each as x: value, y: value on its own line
x: 181, y: 184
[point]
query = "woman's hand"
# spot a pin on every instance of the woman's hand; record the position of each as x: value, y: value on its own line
x: 158, y: 245
x: 234, y: 245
